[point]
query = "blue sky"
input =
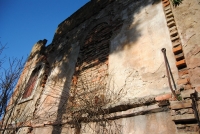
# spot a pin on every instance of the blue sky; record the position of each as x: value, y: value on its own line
x: 24, y: 22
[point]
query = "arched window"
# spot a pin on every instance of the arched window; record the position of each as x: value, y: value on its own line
x: 31, y: 83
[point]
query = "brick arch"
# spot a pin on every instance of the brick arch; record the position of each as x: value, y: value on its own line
x: 95, y: 47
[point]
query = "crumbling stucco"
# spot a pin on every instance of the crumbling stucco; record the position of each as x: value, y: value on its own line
x: 135, y: 73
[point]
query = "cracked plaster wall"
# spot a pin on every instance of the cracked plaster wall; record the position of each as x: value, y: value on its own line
x: 135, y: 60
x: 140, y: 62
x: 135, y: 55
x: 157, y: 123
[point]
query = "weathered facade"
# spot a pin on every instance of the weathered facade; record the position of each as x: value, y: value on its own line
x: 104, y: 72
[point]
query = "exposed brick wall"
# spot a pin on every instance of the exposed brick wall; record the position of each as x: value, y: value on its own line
x: 92, y: 63
x: 174, y: 35
x: 177, y: 48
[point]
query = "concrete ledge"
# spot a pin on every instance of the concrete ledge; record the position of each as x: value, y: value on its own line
x: 187, y: 93
x: 136, y: 111
x: 181, y: 104
x: 189, y: 133
x: 184, y: 117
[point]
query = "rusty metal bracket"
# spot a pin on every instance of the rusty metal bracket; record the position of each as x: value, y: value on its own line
x: 167, y: 69
x: 195, y: 107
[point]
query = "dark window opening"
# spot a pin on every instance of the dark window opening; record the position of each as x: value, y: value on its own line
x: 31, y: 83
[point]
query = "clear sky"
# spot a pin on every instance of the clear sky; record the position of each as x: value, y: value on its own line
x: 24, y: 22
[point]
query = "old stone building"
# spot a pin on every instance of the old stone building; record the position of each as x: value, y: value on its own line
x: 104, y: 72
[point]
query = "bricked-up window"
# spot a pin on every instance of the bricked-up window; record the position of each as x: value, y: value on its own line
x: 31, y: 83
x: 95, y: 49
x: 92, y: 63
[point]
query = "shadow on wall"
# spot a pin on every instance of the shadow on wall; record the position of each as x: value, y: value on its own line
x: 63, y: 56
x: 130, y: 32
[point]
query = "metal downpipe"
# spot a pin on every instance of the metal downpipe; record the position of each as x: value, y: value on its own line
x: 168, y: 76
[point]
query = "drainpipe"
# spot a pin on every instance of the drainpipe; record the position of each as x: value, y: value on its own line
x: 168, y: 76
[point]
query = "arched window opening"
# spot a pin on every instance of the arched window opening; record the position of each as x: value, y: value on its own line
x: 31, y: 83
